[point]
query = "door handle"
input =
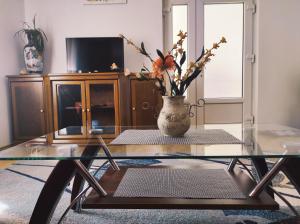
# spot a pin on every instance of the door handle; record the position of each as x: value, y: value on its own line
x: 200, y: 103
x: 88, y: 110
x: 145, y: 106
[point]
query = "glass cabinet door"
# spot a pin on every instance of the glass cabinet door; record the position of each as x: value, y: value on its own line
x: 102, y: 106
x: 69, y: 109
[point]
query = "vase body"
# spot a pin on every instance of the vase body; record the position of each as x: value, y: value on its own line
x: 174, y: 119
x: 33, y: 59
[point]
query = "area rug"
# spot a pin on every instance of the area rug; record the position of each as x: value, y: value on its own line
x: 22, y: 182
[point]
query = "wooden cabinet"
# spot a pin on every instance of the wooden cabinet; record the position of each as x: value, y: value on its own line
x: 28, y: 108
x: 146, y: 103
x: 76, y: 105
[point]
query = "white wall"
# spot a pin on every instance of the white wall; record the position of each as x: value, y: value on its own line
x: 278, y: 65
x: 11, y: 18
x: 277, y: 71
x: 141, y: 20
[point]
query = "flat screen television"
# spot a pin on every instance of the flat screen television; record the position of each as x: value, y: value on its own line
x: 94, y: 54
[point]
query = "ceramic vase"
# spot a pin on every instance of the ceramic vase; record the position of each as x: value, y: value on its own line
x: 33, y: 59
x: 174, y: 119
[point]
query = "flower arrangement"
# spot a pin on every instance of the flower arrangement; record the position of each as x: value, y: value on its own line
x: 34, y: 47
x: 168, y: 67
x: 34, y: 36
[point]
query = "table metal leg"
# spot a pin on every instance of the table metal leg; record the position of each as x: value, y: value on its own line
x: 78, y: 199
x: 261, y: 168
x: 269, y: 187
x: 79, y: 196
x: 267, y: 178
x: 79, y: 181
x: 108, y: 154
x: 89, y: 178
x: 232, y: 164
x: 61, y: 176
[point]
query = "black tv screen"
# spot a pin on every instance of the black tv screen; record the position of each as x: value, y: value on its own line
x: 94, y: 54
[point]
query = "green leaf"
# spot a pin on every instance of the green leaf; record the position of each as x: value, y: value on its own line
x: 175, y: 89
x: 162, y: 89
x: 188, y: 81
x: 35, y: 36
x: 160, y: 55
x: 33, y: 21
x: 40, y: 30
x: 179, y: 70
x: 144, y: 52
x: 202, y: 53
x: 183, y: 58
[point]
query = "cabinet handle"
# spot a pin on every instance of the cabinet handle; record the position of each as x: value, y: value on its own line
x: 88, y: 110
x: 83, y: 110
x: 41, y: 110
x: 133, y: 108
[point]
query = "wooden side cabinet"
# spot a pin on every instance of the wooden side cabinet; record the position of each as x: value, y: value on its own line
x: 146, y: 103
x: 27, y: 107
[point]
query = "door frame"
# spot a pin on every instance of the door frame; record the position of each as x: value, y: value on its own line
x: 191, y: 38
x: 196, y: 41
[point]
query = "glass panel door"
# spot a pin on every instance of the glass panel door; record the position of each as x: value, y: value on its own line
x: 69, y: 109
x: 102, y: 106
x: 226, y: 82
x: 222, y: 83
x: 224, y: 75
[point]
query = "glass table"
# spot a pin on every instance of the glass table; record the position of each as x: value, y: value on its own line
x: 254, y: 142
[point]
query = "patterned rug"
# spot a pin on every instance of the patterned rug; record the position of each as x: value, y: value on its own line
x: 22, y: 182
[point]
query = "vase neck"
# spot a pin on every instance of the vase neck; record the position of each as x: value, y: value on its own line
x: 173, y: 100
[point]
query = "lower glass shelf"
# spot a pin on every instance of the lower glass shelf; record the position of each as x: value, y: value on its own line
x: 112, y: 179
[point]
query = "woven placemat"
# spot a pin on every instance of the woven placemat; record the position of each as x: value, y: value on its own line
x: 178, y: 183
x: 154, y: 137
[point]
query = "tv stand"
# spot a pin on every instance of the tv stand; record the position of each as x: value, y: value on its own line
x: 44, y: 103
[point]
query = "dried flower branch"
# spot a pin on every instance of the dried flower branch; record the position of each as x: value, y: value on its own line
x: 167, y: 65
x: 140, y: 49
x: 205, y: 59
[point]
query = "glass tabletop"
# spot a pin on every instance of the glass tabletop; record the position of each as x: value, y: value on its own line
x: 263, y: 140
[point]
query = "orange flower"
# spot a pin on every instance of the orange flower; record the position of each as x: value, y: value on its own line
x: 159, y: 66
x: 169, y: 62
x: 156, y: 74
